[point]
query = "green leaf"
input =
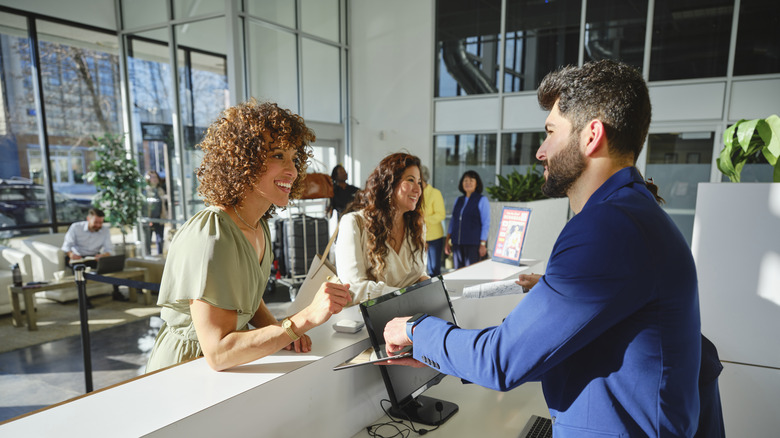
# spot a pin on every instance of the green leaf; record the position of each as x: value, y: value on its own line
x: 745, y: 132
x: 776, y: 173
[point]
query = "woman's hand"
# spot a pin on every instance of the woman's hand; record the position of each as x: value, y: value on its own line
x: 447, y: 248
x: 329, y: 300
x: 528, y: 280
x: 302, y: 345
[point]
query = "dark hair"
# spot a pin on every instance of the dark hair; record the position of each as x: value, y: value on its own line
x: 94, y: 211
x: 236, y: 146
x: 614, y: 93
x: 474, y: 175
x: 376, y: 202
x: 335, y: 172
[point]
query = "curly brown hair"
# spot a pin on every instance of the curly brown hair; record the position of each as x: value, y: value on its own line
x: 236, y: 146
x: 376, y: 202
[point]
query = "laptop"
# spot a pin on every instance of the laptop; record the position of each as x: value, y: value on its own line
x: 537, y: 427
x: 109, y: 264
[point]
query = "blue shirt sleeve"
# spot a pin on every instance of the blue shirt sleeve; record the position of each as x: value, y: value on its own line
x: 70, y: 239
x: 484, y: 214
x: 582, y: 294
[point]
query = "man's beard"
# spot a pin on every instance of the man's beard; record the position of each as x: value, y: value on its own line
x: 564, y: 169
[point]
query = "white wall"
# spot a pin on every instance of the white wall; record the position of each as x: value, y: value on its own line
x: 98, y: 13
x: 391, y: 80
x: 737, y: 251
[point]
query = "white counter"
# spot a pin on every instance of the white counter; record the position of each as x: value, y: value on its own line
x: 285, y: 394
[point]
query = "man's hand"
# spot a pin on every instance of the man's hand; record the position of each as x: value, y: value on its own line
x: 528, y: 280
x: 396, y: 340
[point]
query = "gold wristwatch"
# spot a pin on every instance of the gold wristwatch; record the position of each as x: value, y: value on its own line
x: 287, y: 326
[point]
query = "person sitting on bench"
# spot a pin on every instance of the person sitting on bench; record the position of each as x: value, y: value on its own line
x: 89, y: 238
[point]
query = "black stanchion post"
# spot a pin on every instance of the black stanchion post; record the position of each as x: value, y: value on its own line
x: 86, y: 349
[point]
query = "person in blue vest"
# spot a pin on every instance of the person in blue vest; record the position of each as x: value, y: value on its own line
x: 468, y: 231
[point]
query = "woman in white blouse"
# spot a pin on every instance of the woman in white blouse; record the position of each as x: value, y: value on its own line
x: 381, y: 241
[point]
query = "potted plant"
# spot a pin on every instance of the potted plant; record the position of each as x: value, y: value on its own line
x: 516, y: 187
x: 548, y: 216
x: 118, y: 181
x: 746, y: 141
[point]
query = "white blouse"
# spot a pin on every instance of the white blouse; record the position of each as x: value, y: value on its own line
x: 402, y: 268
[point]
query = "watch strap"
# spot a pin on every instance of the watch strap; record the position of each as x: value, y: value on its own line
x: 412, y: 322
x: 287, y: 324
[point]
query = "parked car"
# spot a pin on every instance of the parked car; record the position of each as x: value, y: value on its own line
x: 23, y: 202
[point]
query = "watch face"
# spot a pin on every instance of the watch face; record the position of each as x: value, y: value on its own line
x: 286, y: 323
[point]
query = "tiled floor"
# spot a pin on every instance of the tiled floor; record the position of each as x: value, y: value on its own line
x: 39, y: 376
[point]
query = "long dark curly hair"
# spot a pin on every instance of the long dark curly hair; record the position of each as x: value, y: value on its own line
x: 376, y: 202
x: 236, y: 146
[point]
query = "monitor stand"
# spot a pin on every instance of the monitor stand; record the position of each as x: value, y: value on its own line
x: 425, y: 410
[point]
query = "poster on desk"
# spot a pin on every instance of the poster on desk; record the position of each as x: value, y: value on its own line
x: 511, y: 235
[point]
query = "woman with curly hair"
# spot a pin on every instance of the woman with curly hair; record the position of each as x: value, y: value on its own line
x: 254, y: 159
x: 381, y: 242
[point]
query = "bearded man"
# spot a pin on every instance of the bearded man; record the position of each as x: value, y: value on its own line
x: 612, y: 329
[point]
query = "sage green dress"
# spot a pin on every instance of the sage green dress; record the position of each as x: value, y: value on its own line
x: 209, y: 260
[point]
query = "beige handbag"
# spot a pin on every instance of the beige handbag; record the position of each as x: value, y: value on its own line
x: 321, y: 268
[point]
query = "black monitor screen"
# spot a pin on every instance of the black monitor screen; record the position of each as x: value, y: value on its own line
x: 430, y: 296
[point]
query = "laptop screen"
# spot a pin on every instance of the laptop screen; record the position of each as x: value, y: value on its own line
x: 109, y: 264
x: 431, y: 297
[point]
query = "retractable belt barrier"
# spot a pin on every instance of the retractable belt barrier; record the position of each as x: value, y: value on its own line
x: 81, y: 284
x: 135, y: 284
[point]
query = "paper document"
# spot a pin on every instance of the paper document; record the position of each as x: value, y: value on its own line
x: 493, y: 289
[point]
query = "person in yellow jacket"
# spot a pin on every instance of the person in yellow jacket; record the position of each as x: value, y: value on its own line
x: 434, y: 213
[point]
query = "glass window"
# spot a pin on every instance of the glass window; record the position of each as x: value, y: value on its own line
x: 321, y: 82
x: 518, y: 151
x: 615, y: 29
x: 321, y: 18
x: 273, y: 65
x: 277, y: 11
x: 455, y: 154
x: 193, y: 8
x: 18, y: 133
x: 677, y: 163
x: 690, y: 39
x: 758, y: 36
x: 203, y: 91
x: 540, y: 37
x: 151, y: 98
x: 467, y: 47
x: 82, y: 66
x: 137, y: 13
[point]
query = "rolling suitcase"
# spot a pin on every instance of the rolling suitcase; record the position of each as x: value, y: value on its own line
x: 302, y: 237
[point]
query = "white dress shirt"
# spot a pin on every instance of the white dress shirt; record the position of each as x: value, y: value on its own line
x: 402, y: 268
x: 87, y: 243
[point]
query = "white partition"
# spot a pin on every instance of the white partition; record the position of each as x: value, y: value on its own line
x: 548, y: 217
x: 736, y: 245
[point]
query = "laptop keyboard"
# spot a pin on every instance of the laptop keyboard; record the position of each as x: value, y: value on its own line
x: 542, y: 428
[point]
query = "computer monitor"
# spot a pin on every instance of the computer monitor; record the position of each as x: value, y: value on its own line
x: 406, y: 384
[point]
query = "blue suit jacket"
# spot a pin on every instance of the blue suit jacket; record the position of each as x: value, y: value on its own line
x: 612, y: 329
